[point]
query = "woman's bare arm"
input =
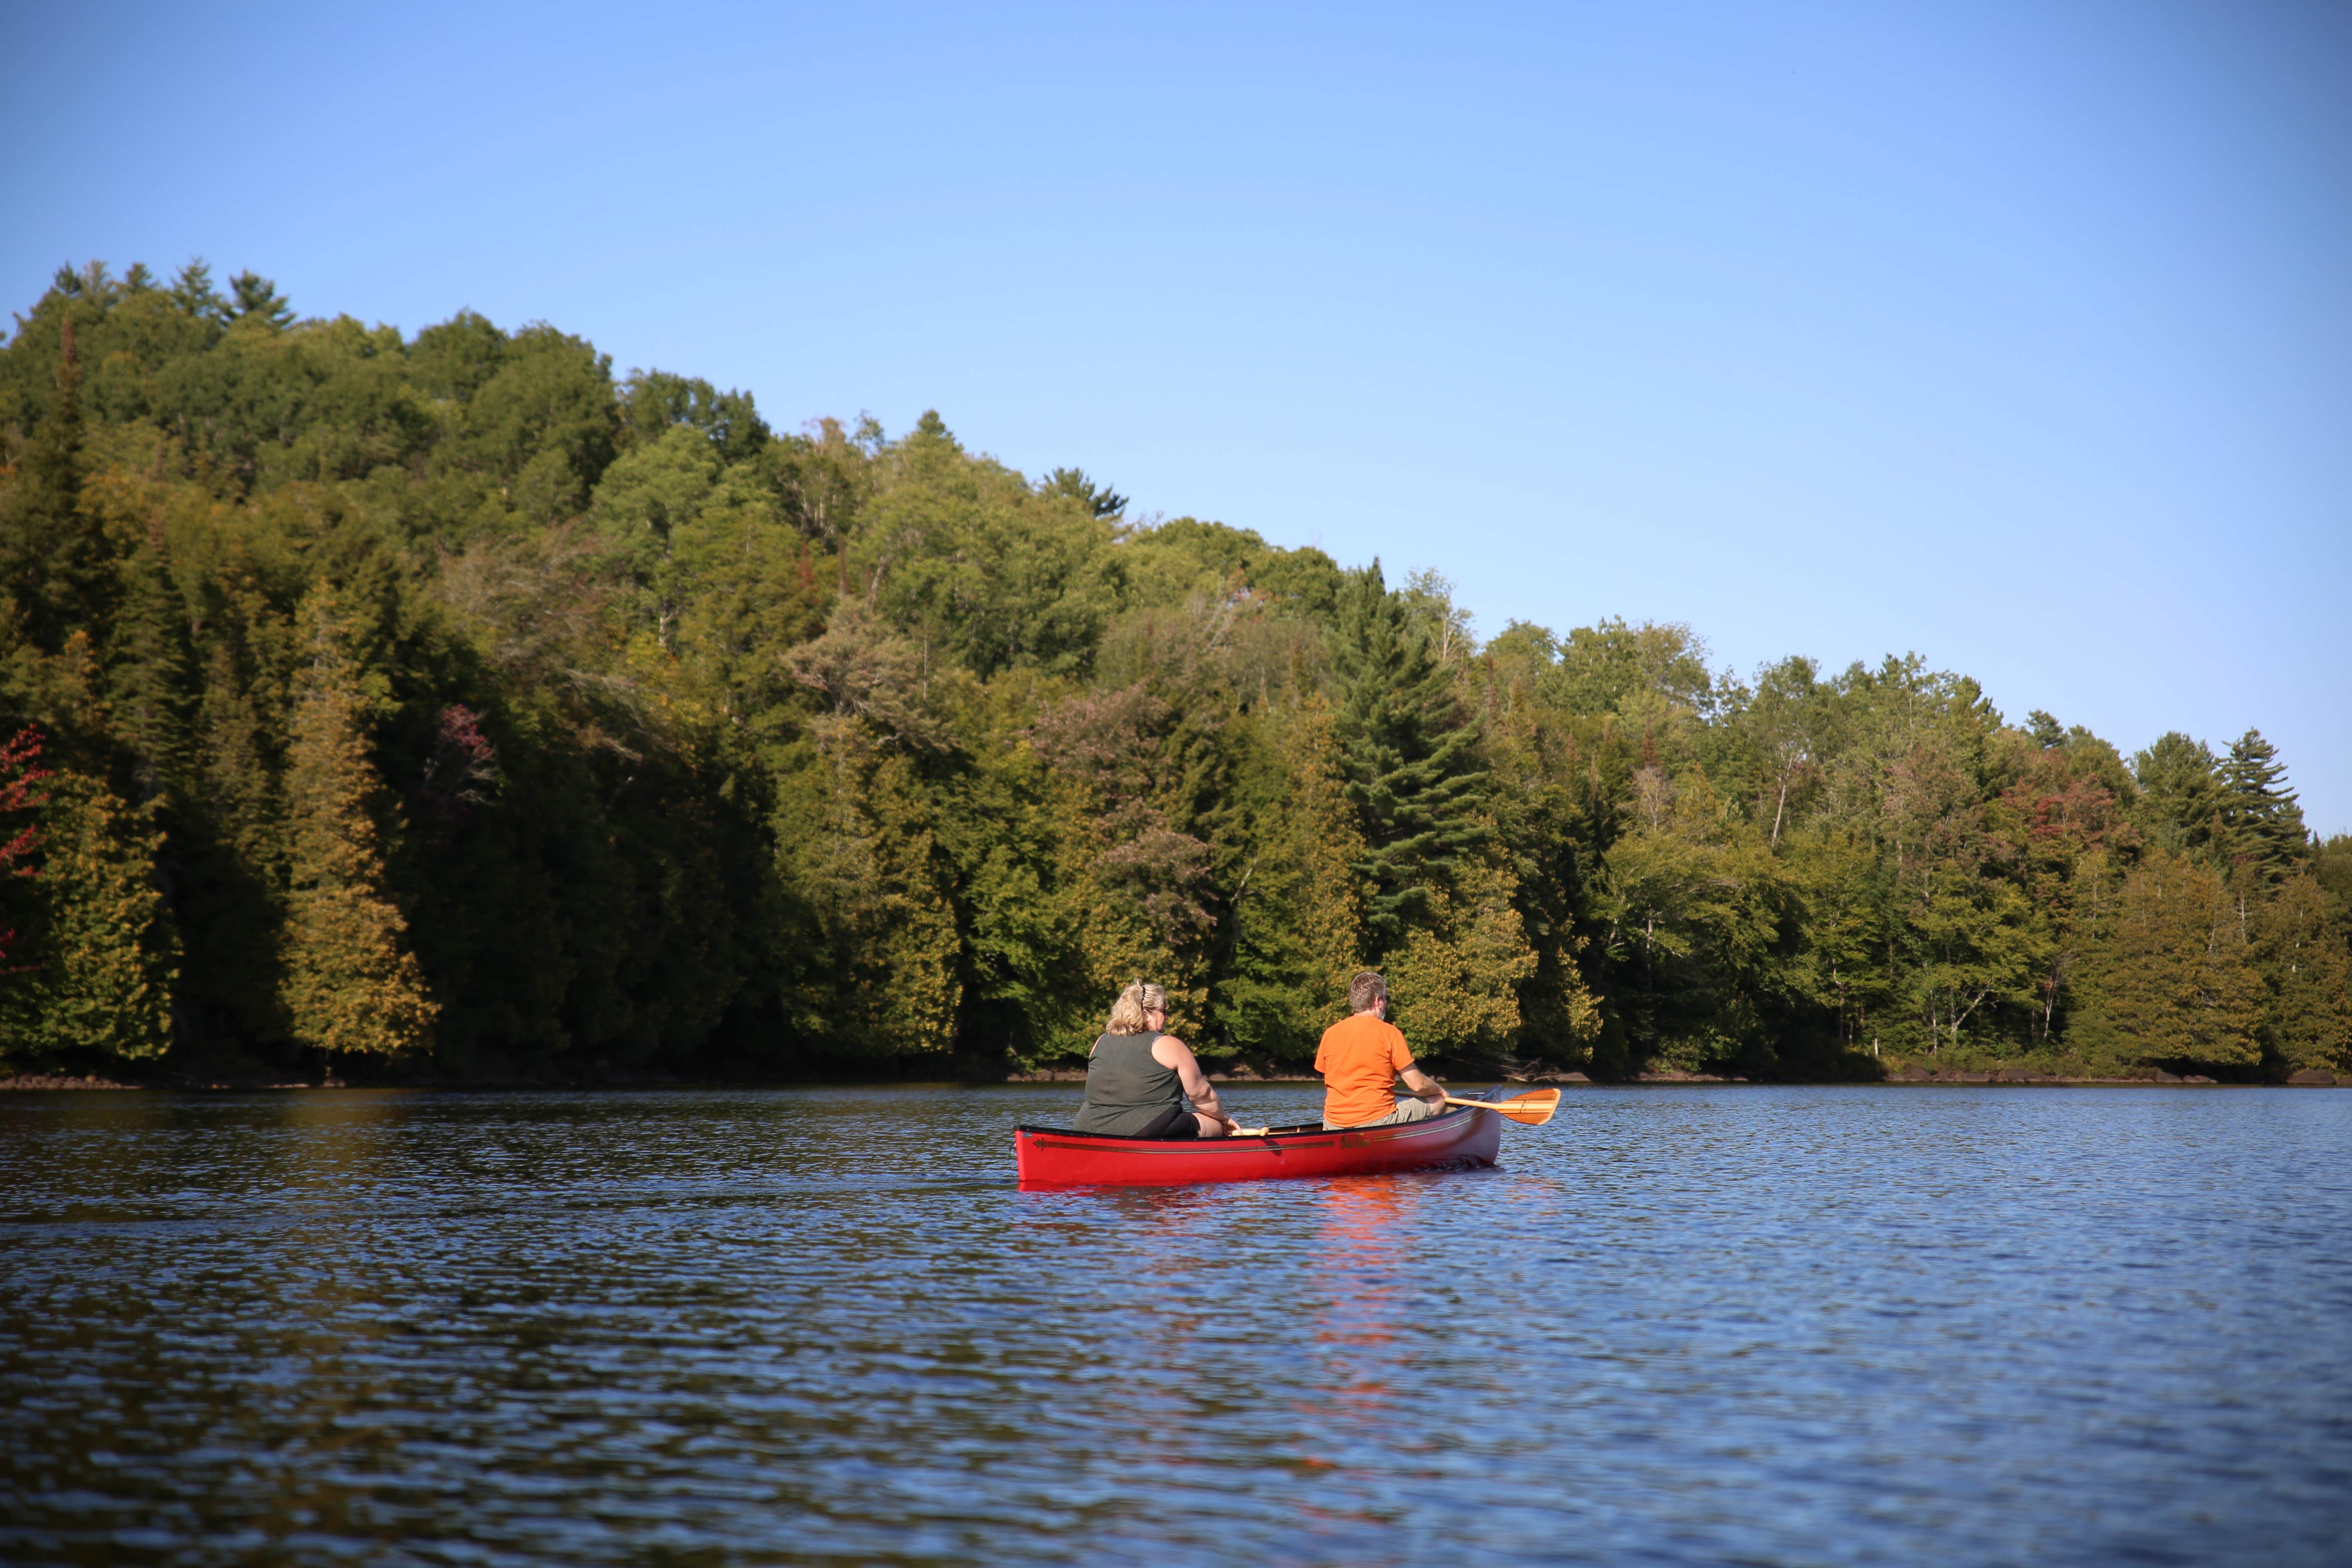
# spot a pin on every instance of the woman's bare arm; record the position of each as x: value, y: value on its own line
x: 1170, y: 1052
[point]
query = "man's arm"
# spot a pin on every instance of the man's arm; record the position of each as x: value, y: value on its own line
x: 1421, y: 1084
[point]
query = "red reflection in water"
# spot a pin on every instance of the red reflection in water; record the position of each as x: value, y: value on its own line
x: 1358, y: 1333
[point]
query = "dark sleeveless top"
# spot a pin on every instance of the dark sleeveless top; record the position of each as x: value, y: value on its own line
x: 1126, y: 1089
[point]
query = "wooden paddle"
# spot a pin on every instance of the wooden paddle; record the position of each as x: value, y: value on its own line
x: 1528, y: 1110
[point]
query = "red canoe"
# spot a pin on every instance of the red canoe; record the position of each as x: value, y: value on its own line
x: 1054, y: 1157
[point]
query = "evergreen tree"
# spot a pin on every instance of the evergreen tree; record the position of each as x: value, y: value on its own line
x: 1408, y: 751
x: 1099, y: 500
x: 350, y: 984
x: 233, y: 860
x: 102, y: 955
x: 2261, y: 824
x: 2331, y: 867
x: 2308, y: 971
x: 2180, y: 791
x: 1293, y: 924
x: 54, y: 558
x: 150, y: 673
x: 193, y: 293
x: 1027, y: 900
x: 2175, y: 983
x: 256, y: 297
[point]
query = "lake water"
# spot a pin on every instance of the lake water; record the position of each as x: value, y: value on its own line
x: 1705, y: 1324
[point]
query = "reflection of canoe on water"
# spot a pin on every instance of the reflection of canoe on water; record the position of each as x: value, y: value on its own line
x: 1052, y: 1157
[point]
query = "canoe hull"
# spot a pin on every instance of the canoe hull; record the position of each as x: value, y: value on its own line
x: 1054, y: 1157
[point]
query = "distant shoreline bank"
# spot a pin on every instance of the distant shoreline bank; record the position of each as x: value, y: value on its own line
x: 35, y: 1083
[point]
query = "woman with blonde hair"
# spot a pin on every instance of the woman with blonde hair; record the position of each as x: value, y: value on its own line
x: 1143, y: 1082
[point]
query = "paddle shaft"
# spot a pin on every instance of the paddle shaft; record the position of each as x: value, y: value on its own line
x: 1518, y: 1110
x: 1501, y: 1108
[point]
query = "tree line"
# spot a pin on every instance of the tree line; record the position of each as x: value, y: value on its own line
x: 447, y: 705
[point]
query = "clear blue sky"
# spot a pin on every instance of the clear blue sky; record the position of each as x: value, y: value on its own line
x: 2020, y: 335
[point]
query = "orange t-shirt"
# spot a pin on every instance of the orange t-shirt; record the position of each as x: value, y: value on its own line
x: 1360, y: 1059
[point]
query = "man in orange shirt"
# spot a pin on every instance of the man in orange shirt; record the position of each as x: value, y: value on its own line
x: 1360, y: 1059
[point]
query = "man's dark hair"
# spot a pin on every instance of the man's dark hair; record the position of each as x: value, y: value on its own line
x: 1364, y: 990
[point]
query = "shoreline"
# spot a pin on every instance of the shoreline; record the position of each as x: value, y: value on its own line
x: 58, y: 1083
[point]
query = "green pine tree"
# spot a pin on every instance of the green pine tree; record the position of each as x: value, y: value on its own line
x: 257, y: 299
x: 2331, y: 867
x: 54, y: 557
x: 2176, y: 981
x: 101, y: 958
x: 1292, y: 926
x: 856, y: 841
x: 2308, y: 971
x: 232, y: 872
x: 2180, y: 792
x: 1408, y: 751
x: 2262, y: 825
x: 150, y: 673
x: 193, y: 293
x: 349, y: 985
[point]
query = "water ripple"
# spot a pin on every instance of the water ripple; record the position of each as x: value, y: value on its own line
x: 1789, y: 1326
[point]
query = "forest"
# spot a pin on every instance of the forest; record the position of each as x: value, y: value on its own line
x: 446, y: 708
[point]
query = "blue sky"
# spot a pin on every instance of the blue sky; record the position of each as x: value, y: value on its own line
x: 2020, y: 335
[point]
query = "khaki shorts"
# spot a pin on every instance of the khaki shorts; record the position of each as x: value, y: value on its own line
x: 1407, y: 1110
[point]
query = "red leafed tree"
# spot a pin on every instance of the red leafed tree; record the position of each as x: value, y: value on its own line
x: 458, y: 775
x: 20, y: 779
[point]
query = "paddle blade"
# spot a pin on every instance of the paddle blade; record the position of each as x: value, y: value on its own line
x: 1530, y: 1110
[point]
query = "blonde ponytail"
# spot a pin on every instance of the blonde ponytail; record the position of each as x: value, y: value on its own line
x: 1126, y: 1013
